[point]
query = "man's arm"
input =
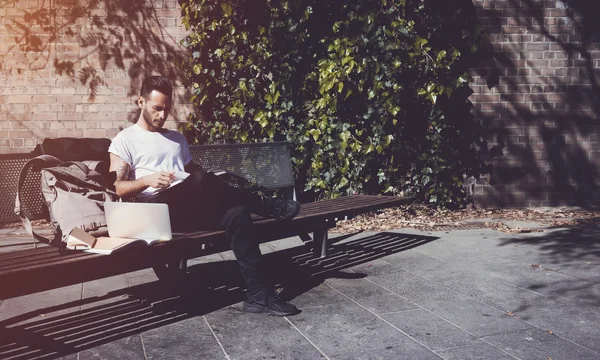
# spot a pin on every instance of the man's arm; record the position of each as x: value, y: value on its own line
x: 130, y: 188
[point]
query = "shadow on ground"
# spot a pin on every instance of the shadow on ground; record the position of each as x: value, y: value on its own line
x: 572, y: 251
x: 90, y: 322
x: 566, y: 244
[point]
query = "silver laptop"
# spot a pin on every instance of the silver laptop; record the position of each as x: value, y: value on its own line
x: 138, y: 220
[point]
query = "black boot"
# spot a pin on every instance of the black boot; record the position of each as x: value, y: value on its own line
x: 264, y: 301
x: 282, y: 209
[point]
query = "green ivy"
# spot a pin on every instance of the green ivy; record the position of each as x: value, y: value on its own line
x: 372, y: 94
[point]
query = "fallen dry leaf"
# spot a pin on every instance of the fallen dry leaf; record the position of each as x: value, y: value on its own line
x: 423, y: 217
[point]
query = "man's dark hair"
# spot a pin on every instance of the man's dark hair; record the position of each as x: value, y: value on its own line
x: 158, y: 83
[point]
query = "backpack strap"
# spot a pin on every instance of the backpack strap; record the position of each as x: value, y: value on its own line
x: 39, y: 162
x: 94, y: 165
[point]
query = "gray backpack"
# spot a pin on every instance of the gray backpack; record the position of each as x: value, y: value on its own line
x: 74, y: 193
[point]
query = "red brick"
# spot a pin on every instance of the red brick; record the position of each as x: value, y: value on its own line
x: 70, y: 116
x: 43, y: 99
x: 513, y: 30
x: 18, y: 99
x: 95, y: 133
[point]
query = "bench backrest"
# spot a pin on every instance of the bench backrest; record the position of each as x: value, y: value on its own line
x: 10, y: 168
x: 264, y: 166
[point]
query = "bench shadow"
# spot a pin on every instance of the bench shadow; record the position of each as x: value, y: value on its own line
x: 75, y: 326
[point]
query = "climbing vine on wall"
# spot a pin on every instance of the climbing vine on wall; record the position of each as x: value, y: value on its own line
x: 371, y: 94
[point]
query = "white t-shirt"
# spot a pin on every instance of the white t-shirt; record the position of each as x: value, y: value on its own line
x: 149, y: 152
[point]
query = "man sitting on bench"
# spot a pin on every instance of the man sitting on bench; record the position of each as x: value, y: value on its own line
x: 146, y: 158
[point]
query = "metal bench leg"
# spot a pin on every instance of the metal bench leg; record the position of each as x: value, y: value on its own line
x: 320, y: 242
x: 305, y: 237
x: 174, y: 270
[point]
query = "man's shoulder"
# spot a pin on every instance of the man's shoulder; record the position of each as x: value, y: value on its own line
x: 173, y: 134
x: 125, y: 132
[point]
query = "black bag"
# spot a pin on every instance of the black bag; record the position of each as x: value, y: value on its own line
x: 75, y: 149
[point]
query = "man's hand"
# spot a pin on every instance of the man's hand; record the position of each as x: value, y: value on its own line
x: 129, y: 188
x: 159, y: 180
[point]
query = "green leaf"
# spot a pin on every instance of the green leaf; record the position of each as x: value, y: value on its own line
x: 227, y: 9
x: 441, y: 55
x: 388, y: 139
x: 315, y: 133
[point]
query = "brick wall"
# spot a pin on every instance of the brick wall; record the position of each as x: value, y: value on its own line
x: 537, y: 101
x: 73, y: 67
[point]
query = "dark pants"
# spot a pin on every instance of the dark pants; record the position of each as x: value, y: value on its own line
x: 205, y: 202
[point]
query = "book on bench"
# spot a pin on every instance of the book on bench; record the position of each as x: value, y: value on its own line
x: 80, y: 240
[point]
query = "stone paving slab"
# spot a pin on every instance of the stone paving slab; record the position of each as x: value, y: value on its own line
x: 345, y: 328
x: 571, y: 322
x: 467, y: 313
x: 402, y: 294
x: 189, y: 338
x: 406, y: 350
x: 256, y: 336
x: 371, y: 296
x: 539, y: 344
x: 475, y: 352
x: 430, y: 330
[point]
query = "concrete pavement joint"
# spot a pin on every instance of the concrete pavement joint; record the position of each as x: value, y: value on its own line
x: 307, y: 339
x: 216, y: 338
x: 400, y: 311
x: 462, y: 346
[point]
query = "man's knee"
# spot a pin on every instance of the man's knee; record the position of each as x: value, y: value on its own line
x: 198, y: 176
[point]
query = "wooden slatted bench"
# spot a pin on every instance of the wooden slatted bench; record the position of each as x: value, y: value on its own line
x: 264, y: 166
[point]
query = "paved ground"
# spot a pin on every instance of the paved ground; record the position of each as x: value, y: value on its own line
x: 403, y: 294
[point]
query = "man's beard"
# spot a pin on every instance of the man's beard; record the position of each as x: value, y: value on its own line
x: 149, y: 120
